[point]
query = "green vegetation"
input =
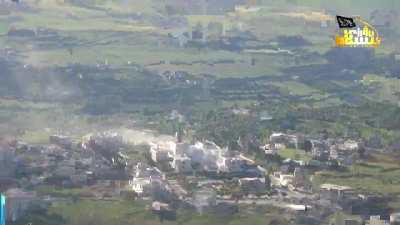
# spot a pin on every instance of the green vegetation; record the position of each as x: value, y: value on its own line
x: 303, y: 89
x: 379, y: 174
x: 3, y: 27
x: 105, y: 212
x: 295, y: 154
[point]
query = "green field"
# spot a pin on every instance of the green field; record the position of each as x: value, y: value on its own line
x: 294, y: 154
x: 106, y: 212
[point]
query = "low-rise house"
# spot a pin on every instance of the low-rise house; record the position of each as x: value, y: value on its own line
x: 251, y: 170
x: 334, y: 192
x: 376, y: 220
x: 144, y: 171
x: 144, y: 179
x: 349, y: 145
x: 160, y: 206
x: 140, y: 186
x: 231, y: 164
x: 320, y: 150
x: 281, y: 139
x: 269, y: 149
x: 163, y: 152
x: 281, y: 180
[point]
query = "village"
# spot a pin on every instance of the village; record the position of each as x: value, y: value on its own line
x: 265, y: 119
x: 172, y: 174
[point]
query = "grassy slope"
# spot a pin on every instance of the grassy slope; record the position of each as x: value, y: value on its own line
x: 378, y: 175
x: 122, y: 212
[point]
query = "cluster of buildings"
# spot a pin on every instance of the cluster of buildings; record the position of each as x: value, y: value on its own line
x: 203, y: 157
x: 342, y: 151
x: 62, y: 163
x: 202, y: 175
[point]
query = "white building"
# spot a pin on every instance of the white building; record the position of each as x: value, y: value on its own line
x: 299, y: 208
x: 349, y: 145
x: 395, y: 218
x: 230, y: 164
x: 281, y: 140
x: 269, y: 149
x: 281, y: 180
x: 140, y: 185
x: 202, y: 156
x: 144, y: 177
x: 376, y: 220
x: 163, y: 151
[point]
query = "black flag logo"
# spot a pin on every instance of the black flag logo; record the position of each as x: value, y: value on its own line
x: 345, y: 22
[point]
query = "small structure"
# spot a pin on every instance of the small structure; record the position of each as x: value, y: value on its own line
x: 231, y: 164
x: 162, y: 152
x: 290, y: 141
x: 320, y: 150
x: 349, y: 145
x: 159, y: 206
x: 269, y: 149
x: 281, y: 180
x: 144, y: 178
x: 333, y: 191
x: 140, y: 186
x: 376, y: 220
x: 298, y: 208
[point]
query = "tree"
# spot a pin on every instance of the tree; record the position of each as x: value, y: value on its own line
x: 308, y: 145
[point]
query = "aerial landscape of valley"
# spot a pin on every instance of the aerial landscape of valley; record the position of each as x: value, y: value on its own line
x: 199, y: 112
